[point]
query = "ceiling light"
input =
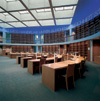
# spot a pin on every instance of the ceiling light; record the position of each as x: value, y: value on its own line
x: 47, y: 10
x: 69, y: 7
x: 11, y: 0
x: 5, y: 14
x: 59, y: 9
x: 40, y: 10
x: 23, y: 12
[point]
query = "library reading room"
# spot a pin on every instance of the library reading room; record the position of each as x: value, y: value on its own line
x: 49, y: 50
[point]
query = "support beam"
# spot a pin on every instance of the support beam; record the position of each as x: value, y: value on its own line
x: 13, y: 16
x: 50, y: 2
x: 91, y: 50
x: 29, y: 11
x: 6, y: 23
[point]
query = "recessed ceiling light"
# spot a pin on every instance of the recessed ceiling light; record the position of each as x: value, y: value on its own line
x: 23, y: 12
x: 11, y: 0
x: 40, y: 10
x: 69, y: 7
x: 43, y: 10
x: 47, y: 10
x: 5, y: 14
x: 59, y: 8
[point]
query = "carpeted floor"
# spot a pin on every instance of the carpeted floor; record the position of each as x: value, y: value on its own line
x: 16, y: 84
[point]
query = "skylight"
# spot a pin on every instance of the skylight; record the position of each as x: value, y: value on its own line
x: 47, y: 10
x: 36, y: 12
x: 11, y: 0
x: 23, y: 12
x: 59, y: 9
x: 40, y: 10
x: 43, y: 10
x: 64, y: 8
x: 5, y: 14
x: 69, y: 7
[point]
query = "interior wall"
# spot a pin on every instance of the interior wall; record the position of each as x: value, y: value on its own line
x: 96, y: 48
x: 85, y: 8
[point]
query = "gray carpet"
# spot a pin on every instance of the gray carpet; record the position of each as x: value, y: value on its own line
x: 16, y: 84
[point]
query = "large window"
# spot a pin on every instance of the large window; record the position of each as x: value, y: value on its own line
x: 8, y: 37
x: 42, y: 37
x: 36, y: 37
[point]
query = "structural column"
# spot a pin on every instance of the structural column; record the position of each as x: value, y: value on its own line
x: 91, y: 50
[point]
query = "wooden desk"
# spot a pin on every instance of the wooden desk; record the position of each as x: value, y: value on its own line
x: 14, y: 55
x: 18, y: 59
x: 49, y: 72
x: 31, y: 63
x: 24, y: 61
x: 97, y: 59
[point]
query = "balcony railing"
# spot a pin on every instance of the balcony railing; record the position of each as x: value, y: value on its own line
x: 61, y: 40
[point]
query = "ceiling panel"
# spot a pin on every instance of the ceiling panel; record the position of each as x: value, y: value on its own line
x: 64, y: 2
x: 47, y: 22
x: 37, y: 10
x: 1, y: 10
x: 38, y: 3
x: 22, y: 16
x: 2, y: 16
x: 5, y: 25
x: 3, y: 4
x: 63, y: 21
x: 31, y: 23
x: 15, y: 5
x: 26, y: 17
x: 64, y: 13
x: 9, y: 18
x: 42, y: 15
x: 17, y: 24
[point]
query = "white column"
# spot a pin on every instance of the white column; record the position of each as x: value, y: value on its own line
x: 91, y: 50
x: 59, y: 49
x: 36, y: 49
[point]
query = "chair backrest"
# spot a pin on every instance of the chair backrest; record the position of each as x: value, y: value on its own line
x: 70, y: 70
x: 85, y: 58
x: 42, y: 57
x: 56, y: 59
x: 69, y: 57
x: 62, y: 59
x: 24, y: 55
x: 34, y: 57
x: 42, y: 61
x: 82, y: 64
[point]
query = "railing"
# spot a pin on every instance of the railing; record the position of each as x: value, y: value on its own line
x: 63, y: 39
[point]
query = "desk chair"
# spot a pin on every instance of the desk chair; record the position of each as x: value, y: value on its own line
x: 85, y: 58
x: 81, y: 69
x: 42, y: 61
x: 42, y: 57
x: 24, y: 55
x: 56, y: 59
x: 62, y: 59
x: 69, y: 73
x: 34, y: 57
